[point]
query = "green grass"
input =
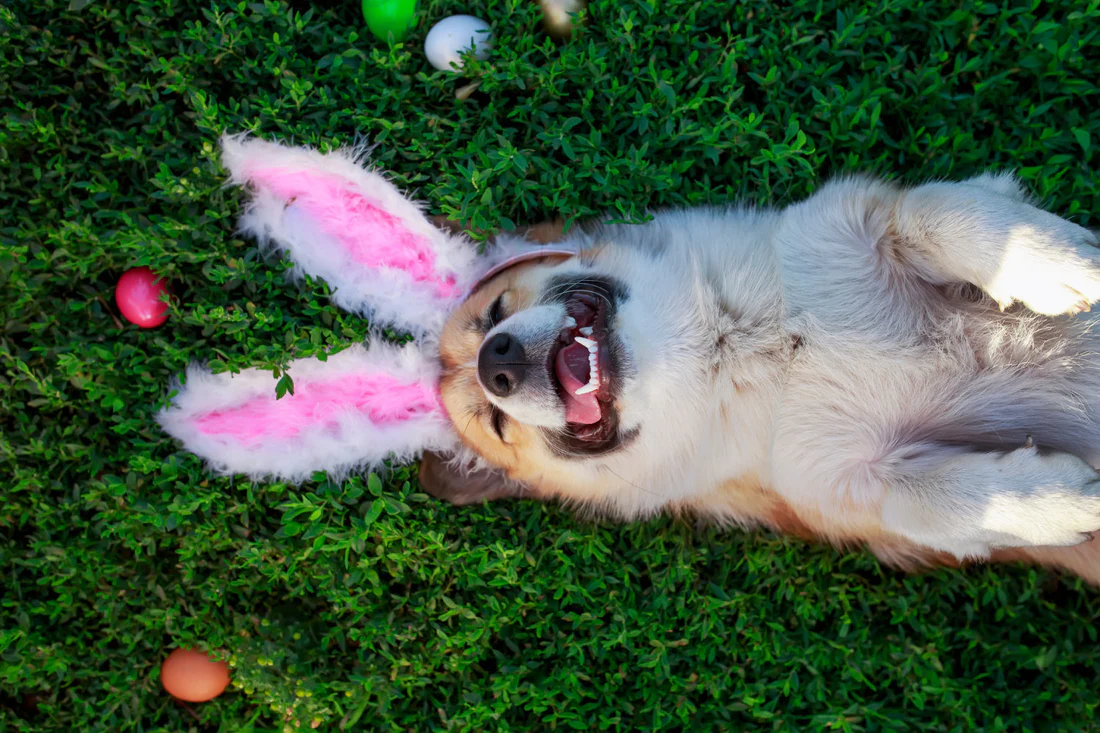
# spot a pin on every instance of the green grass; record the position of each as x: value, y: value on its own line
x: 365, y: 604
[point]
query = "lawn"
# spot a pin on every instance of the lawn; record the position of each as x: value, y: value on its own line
x: 366, y: 604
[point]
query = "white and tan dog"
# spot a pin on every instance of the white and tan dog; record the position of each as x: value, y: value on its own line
x: 897, y: 367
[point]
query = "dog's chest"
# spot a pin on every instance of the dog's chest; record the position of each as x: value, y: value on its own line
x: 723, y: 340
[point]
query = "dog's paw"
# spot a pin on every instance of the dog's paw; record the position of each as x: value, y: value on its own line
x: 1050, y: 265
x: 975, y: 503
x: 1041, y: 499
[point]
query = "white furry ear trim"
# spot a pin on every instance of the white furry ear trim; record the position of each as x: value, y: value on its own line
x: 348, y: 225
x: 350, y: 412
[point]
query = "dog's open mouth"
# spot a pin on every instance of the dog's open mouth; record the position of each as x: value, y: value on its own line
x: 581, y: 363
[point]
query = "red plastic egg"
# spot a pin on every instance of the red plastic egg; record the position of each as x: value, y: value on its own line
x: 138, y: 296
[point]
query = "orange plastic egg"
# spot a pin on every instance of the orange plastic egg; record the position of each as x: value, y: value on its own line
x: 193, y: 676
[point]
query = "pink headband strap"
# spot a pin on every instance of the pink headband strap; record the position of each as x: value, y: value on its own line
x: 524, y: 257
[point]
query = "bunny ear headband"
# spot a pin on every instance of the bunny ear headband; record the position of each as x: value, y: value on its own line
x: 384, y: 260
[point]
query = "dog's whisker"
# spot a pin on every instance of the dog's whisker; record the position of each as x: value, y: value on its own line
x: 631, y: 483
x: 466, y: 427
x: 553, y: 296
x: 590, y: 287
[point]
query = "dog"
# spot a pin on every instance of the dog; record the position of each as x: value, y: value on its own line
x: 911, y: 369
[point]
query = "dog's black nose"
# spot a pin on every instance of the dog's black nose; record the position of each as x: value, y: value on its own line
x: 501, y: 365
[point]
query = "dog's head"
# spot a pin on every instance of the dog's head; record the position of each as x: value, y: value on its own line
x: 576, y: 377
x: 574, y: 371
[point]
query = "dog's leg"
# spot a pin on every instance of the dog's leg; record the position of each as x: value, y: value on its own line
x: 985, y: 232
x: 971, y: 503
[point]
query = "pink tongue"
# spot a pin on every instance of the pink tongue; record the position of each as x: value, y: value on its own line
x: 571, y: 366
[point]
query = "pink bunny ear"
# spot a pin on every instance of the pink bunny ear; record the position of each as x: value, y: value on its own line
x: 351, y: 227
x: 349, y: 412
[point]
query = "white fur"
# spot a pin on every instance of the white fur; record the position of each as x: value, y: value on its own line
x: 1016, y: 252
x: 353, y: 443
x: 983, y: 501
x: 891, y: 415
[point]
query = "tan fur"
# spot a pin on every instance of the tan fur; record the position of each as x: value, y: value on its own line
x: 458, y: 354
x: 519, y: 453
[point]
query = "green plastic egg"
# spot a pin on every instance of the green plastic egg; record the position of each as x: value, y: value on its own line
x: 389, y: 16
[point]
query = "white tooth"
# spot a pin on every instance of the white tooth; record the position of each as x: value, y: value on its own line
x: 571, y: 322
x: 590, y: 387
x: 586, y: 343
x: 586, y: 331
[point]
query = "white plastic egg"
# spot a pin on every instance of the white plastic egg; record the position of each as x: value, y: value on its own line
x: 451, y: 37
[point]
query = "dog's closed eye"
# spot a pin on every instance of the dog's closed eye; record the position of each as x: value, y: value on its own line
x: 483, y: 321
x: 496, y: 313
x: 498, y: 420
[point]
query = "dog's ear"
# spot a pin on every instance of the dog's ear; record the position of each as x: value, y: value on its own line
x: 548, y: 232
x: 465, y: 484
x: 346, y: 224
